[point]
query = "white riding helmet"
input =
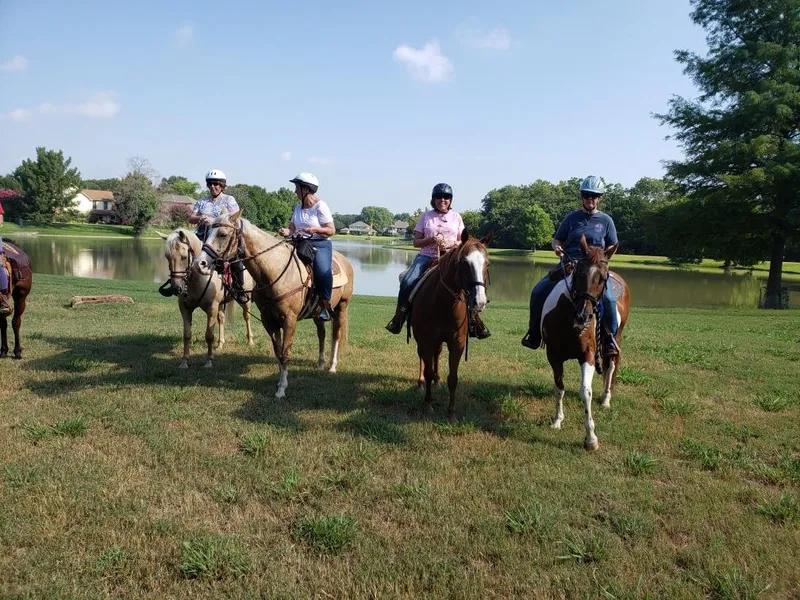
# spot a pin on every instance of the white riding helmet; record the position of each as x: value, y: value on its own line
x: 216, y: 175
x: 307, y: 179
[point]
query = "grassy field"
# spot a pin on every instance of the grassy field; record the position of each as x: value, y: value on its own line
x: 122, y: 476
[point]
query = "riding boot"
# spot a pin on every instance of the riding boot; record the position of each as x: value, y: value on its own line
x: 477, y: 328
x: 325, y: 312
x: 237, y: 288
x: 610, y: 346
x: 396, y: 324
x: 532, y: 340
x: 5, y: 305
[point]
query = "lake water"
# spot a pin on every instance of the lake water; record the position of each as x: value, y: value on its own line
x: 377, y: 270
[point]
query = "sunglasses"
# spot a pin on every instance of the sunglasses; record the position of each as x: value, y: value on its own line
x: 443, y: 197
x: 215, y: 184
x: 589, y: 196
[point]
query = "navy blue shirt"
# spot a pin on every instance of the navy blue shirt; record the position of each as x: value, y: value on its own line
x: 598, y: 228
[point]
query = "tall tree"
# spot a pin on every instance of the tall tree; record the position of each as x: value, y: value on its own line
x: 473, y: 220
x: 377, y: 216
x: 111, y: 184
x: 741, y: 136
x: 137, y: 199
x: 48, y: 184
x: 177, y: 184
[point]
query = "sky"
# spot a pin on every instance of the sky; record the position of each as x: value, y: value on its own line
x: 380, y: 100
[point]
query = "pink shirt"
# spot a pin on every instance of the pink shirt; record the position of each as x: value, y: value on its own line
x: 450, y: 225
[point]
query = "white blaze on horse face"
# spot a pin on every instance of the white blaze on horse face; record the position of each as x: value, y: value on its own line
x: 476, y: 260
x: 203, y: 260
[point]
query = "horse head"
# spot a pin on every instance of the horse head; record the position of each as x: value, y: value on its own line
x: 222, y: 243
x: 180, y: 249
x: 472, y: 269
x: 588, y: 282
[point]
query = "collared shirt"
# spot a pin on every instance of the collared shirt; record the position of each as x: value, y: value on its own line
x: 315, y: 216
x: 211, y: 207
x: 432, y: 222
x: 598, y: 228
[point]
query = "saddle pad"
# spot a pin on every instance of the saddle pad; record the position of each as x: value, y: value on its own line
x: 615, y: 285
x: 418, y: 285
x: 339, y: 274
x: 19, y: 262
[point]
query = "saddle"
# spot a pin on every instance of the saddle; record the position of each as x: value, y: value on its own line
x: 312, y: 303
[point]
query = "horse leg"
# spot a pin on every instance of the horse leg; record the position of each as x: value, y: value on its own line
x: 247, y: 326
x: 221, y: 321
x: 19, y: 308
x: 289, y: 324
x: 421, y: 378
x: 338, y: 328
x: 321, y: 337
x: 609, y: 375
x: 426, y: 357
x: 4, y: 336
x: 558, y: 390
x: 436, y: 377
x: 455, y: 351
x: 213, y: 316
x: 187, y: 334
x: 587, y: 373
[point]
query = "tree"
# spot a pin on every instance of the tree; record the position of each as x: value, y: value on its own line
x: 346, y: 219
x: 402, y: 217
x: 377, y: 216
x: 48, y: 184
x: 535, y: 227
x: 268, y: 210
x: 473, y: 220
x: 7, y: 182
x: 412, y: 220
x: 111, y: 185
x: 741, y: 137
x: 137, y: 201
x: 177, y: 184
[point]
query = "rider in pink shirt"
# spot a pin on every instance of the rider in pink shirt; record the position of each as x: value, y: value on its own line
x: 435, y: 233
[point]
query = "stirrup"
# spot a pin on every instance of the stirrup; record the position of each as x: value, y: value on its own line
x: 528, y: 342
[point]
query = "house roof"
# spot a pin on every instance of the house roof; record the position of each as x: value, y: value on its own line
x: 98, y: 194
x: 177, y: 199
x: 360, y: 225
x: 400, y: 225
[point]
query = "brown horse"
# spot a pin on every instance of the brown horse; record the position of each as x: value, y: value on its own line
x: 198, y: 290
x: 569, y: 330
x: 282, y: 291
x: 21, y: 281
x: 454, y: 286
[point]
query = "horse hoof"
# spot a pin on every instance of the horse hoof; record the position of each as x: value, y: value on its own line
x: 17, y: 356
x: 429, y: 409
x: 555, y: 425
x: 321, y: 366
x: 279, y: 394
x: 591, y: 446
x: 251, y: 343
x: 332, y: 370
x: 606, y: 404
x: 3, y: 354
x: 209, y: 364
x: 184, y: 365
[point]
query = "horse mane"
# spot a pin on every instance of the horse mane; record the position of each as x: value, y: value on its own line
x: 595, y: 254
x: 194, y: 241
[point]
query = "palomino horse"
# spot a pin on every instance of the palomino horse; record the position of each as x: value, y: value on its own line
x: 454, y: 287
x: 21, y: 279
x: 199, y: 290
x: 569, y: 330
x: 282, y: 292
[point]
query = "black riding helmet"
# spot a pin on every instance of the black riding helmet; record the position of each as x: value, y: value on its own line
x: 441, y: 189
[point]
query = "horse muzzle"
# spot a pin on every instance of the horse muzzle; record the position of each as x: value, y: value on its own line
x: 168, y: 289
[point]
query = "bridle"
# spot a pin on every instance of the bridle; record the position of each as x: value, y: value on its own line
x: 168, y: 288
x: 468, y: 286
x: 577, y: 298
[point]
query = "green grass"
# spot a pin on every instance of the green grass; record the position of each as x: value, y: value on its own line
x: 76, y: 230
x: 123, y: 476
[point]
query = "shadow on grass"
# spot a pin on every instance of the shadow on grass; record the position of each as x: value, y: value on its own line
x: 382, y: 403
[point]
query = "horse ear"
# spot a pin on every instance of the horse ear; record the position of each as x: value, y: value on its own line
x: 163, y: 236
x: 611, y: 250
x: 236, y: 216
x: 488, y: 239
x: 464, y: 235
x: 584, y: 244
x: 182, y: 235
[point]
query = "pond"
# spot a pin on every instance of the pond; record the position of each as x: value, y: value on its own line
x: 377, y: 269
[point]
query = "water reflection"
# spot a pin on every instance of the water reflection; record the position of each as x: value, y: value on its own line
x: 377, y: 270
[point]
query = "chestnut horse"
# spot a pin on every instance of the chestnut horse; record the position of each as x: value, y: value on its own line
x: 569, y: 330
x: 198, y: 290
x: 21, y: 280
x: 442, y: 304
x: 282, y: 292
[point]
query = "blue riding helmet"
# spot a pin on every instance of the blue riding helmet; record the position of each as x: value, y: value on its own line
x: 593, y: 184
x: 441, y: 188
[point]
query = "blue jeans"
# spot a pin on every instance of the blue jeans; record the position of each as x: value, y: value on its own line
x: 3, y: 274
x: 323, y: 269
x: 610, y: 310
x: 411, y: 277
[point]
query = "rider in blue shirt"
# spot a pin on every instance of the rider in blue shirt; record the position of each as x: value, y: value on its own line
x: 600, y: 231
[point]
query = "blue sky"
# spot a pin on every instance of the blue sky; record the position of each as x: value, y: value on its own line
x: 380, y: 100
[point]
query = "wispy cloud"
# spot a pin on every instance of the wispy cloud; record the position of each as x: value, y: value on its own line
x: 183, y: 36
x: 286, y: 156
x: 492, y: 39
x: 99, y: 105
x: 18, y: 63
x: 427, y: 64
x: 318, y: 160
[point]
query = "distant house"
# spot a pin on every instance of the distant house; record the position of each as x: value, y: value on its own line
x: 361, y: 228
x: 87, y: 201
x: 344, y: 230
x: 173, y: 207
x: 172, y: 200
x: 396, y: 228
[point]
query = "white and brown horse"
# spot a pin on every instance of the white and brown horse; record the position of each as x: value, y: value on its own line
x: 569, y: 330
x: 282, y: 292
x: 196, y: 289
x: 454, y: 286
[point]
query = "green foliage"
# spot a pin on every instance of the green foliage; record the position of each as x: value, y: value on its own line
x: 741, y: 137
x: 346, y: 219
x: 137, y: 201
x: 328, y: 535
x: 377, y: 216
x: 268, y: 210
x: 535, y: 228
x: 177, y: 184
x: 213, y: 557
x: 7, y: 182
x: 111, y: 184
x: 403, y: 216
x: 48, y: 185
x: 473, y: 221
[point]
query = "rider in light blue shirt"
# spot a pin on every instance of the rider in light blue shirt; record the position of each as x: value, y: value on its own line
x: 600, y: 231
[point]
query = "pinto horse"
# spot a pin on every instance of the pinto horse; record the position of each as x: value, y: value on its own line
x: 282, y: 291
x: 21, y: 279
x: 442, y: 304
x: 198, y: 290
x: 569, y: 330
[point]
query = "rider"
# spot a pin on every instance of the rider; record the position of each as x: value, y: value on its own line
x: 209, y: 208
x: 600, y: 231
x: 436, y: 231
x: 312, y: 219
x: 5, y: 305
